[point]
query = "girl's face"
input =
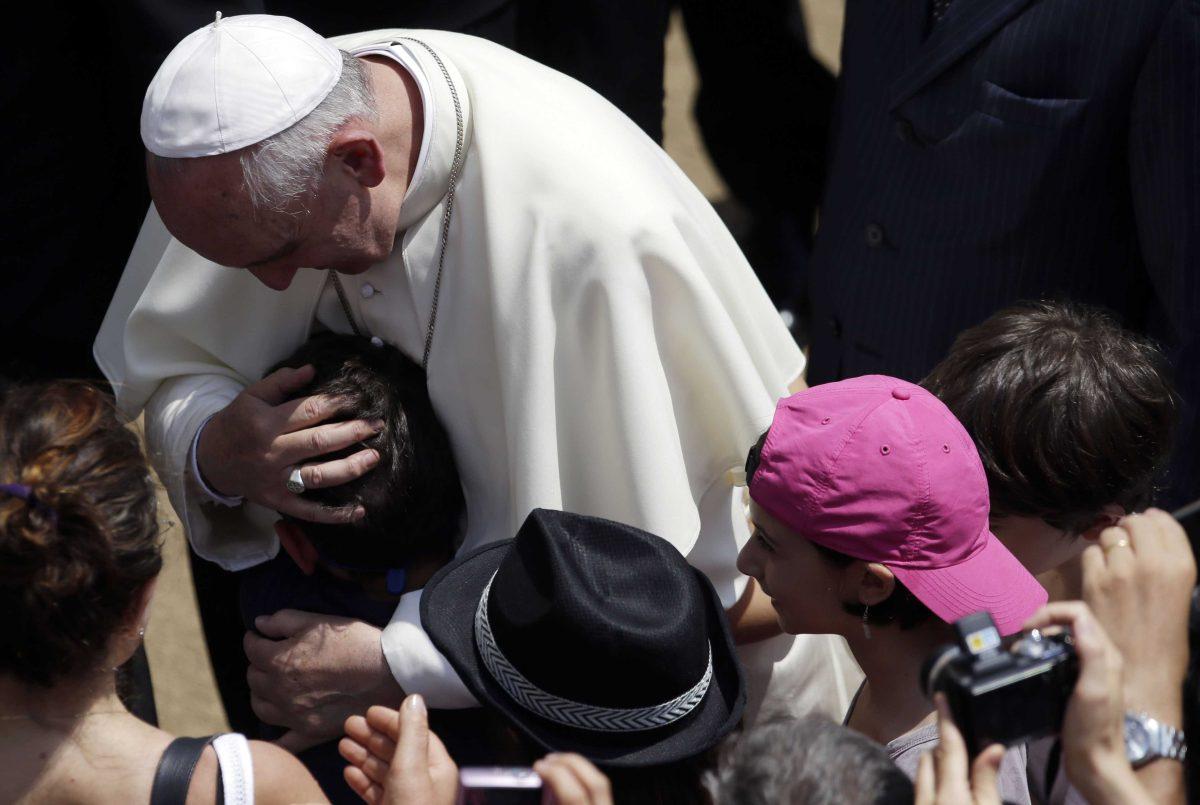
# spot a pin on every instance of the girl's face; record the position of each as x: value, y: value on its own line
x: 806, y: 589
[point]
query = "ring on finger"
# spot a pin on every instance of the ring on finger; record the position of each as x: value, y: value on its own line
x: 1121, y: 543
x: 295, y: 483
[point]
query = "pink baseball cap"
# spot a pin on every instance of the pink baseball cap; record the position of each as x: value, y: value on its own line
x: 879, y: 469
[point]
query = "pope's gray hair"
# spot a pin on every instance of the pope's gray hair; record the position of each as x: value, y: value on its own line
x: 288, y: 167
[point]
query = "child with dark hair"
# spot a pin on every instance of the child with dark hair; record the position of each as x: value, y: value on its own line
x: 413, y: 505
x: 1072, y: 416
x: 870, y: 514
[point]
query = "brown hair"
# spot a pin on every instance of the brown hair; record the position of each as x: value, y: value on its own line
x: 75, y: 556
x: 1070, y: 412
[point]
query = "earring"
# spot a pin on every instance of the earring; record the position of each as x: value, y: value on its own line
x: 142, y: 632
x: 866, y: 626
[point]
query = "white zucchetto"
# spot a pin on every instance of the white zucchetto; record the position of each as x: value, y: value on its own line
x: 236, y: 82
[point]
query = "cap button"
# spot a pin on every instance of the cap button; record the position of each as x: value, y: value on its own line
x: 901, y: 394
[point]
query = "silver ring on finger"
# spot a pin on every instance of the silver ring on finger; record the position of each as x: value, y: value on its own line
x: 295, y: 483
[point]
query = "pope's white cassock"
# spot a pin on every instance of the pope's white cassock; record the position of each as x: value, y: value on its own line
x: 601, y: 345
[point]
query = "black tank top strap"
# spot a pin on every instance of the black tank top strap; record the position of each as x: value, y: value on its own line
x: 175, y: 768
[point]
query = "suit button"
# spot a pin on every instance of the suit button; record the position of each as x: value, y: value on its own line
x: 905, y: 131
x: 835, y: 326
x: 874, y: 234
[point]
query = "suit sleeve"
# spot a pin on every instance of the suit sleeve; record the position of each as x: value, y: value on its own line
x: 1164, y: 145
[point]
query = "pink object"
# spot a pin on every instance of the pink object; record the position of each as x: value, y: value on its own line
x: 879, y: 469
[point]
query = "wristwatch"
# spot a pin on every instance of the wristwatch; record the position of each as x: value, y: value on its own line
x: 1148, y: 739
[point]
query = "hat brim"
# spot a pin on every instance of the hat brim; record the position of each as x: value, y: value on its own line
x: 448, y: 614
x: 992, y: 580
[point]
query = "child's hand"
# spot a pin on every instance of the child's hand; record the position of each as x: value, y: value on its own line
x: 942, y: 774
x: 396, y: 760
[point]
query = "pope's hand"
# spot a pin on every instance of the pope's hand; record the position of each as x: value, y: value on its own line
x: 249, y: 448
x: 312, y: 672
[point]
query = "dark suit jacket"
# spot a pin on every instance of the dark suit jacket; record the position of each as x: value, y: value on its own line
x: 1023, y: 149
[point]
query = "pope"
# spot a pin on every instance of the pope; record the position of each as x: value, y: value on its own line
x: 593, y: 339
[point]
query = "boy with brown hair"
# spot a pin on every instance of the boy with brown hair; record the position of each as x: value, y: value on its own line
x: 1073, y: 417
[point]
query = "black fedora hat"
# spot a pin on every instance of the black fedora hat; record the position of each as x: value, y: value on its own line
x: 593, y: 637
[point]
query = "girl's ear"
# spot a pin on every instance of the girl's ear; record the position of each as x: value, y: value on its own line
x: 874, y: 581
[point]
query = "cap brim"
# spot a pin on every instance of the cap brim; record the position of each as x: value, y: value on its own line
x: 992, y: 580
x: 448, y: 614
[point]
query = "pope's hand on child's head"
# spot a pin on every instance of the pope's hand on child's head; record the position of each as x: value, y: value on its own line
x: 250, y: 447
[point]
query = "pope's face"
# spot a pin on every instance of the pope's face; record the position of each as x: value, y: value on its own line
x: 203, y: 203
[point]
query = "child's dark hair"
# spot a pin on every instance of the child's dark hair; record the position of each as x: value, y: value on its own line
x: 1069, y: 411
x: 412, y: 497
x: 901, y: 607
x: 78, y: 530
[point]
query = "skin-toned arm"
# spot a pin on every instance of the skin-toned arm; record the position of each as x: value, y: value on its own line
x: 1138, y: 581
x: 249, y: 448
x: 280, y: 778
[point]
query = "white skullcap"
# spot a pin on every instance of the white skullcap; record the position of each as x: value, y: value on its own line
x: 234, y: 83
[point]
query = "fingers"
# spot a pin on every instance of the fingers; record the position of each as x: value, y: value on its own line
x: 985, y: 773
x: 339, y: 471
x: 384, y: 720
x: 560, y: 787
x: 312, y: 512
x: 370, y: 792
x: 571, y: 780
x: 950, y: 755
x: 1099, y: 660
x: 374, y: 741
x: 412, y: 748
x: 298, y: 447
x: 268, y: 712
x: 287, y: 623
x: 305, y: 412
x: 360, y: 756
x: 926, y: 782
x: 1057, y: 613
x: 281, y: 384
x: 296, y: 742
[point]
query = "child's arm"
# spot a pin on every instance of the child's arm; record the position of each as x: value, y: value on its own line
x: 753, y: 618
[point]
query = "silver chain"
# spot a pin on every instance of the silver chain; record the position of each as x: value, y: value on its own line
x: 455, y: 168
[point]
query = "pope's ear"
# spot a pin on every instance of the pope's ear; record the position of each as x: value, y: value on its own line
x: 357, y: 152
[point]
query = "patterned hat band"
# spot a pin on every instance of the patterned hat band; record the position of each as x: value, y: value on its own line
x: 575, y: 714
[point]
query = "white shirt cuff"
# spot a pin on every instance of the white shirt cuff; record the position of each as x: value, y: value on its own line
x: 417, y: 665
x: 202, y: 486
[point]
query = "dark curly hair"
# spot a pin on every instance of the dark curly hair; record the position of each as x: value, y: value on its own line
x: 413, y: 497
x: 76, y: 555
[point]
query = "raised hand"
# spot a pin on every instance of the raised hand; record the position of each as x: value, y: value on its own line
x: 249, y: 448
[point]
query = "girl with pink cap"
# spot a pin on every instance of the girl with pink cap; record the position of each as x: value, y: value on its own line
x: 870, y: 513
